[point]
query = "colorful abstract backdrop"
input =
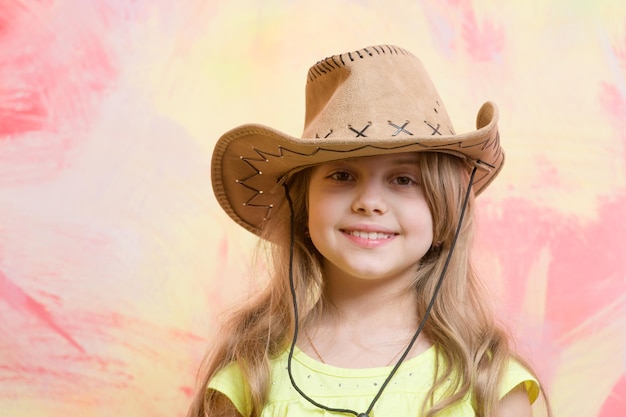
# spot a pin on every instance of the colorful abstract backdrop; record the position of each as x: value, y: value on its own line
x: 116, y: 262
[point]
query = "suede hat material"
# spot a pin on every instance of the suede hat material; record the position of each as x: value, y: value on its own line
x: 377, y: 100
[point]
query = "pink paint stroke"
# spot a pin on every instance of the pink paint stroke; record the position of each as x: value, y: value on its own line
x: 587, y: 260
x: 58, y: 62
x: 615, y: 404
x: 19, y: 300
x: 21, y: 109
x: 454, y: 22
x: 587, y: 266
x: 483, y: 42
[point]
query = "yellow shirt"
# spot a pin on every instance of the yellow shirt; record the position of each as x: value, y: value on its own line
x: 353, y: 388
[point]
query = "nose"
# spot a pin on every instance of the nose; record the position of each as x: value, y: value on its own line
x: 369, y: 199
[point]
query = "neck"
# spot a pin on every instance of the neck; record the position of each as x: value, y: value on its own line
x: 367, y: 324
x: 388, y: 302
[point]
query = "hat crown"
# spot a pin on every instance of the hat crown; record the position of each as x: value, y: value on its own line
x: 377, y: 100
x: 379, y: 92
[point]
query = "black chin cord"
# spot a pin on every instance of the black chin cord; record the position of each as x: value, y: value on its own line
x: 415, y: 336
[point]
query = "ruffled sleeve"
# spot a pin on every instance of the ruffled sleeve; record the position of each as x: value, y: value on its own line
x: 516, y: 375
x: 230, y: 382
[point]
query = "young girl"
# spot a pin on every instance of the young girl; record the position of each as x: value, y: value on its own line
x: 372, y: 307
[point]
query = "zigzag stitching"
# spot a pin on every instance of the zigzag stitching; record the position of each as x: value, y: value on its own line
x: 282, y: 151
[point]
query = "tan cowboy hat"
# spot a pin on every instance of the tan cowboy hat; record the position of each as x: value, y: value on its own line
x: 373, y: 101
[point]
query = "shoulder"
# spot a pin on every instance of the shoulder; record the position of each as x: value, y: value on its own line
x: 231, y: 383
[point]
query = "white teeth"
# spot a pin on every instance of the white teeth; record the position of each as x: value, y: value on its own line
x: 370, y: 235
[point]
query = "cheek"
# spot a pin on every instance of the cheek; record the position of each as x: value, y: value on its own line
x: 323, y: 217
x: 316, y: 228
x: 421, y: 220
x: 317, y: 215
x: 322, y: 205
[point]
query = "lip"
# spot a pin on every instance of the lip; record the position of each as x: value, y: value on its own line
x: 368, y: 236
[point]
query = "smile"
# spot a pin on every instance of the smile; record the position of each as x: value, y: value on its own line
x: 369, y: 235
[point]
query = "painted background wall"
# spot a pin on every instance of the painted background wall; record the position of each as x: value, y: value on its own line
x: 115, y: 261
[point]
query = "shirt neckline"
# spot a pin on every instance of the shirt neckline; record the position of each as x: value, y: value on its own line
x: 317, y: 366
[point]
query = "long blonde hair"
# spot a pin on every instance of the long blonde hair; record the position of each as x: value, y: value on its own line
x: 474, y: 349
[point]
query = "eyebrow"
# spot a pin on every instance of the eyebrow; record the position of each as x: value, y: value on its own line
x: 405, y: 160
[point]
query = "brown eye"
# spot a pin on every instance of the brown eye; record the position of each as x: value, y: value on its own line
x: 402, y: 180
x: 341, y: 176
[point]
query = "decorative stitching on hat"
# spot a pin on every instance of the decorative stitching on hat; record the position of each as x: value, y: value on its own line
x: 331, y: 63
x: 281, y: 151
x: 400, y: 129
x: 327, y: 135
x: 322, y: 67
x: 327, y: 66
x: 359, y: 133
x: 256, y: 172
x: 316, y: 70
x: 435, y: 129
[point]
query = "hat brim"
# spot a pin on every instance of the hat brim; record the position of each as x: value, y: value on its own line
x: 249, y: 161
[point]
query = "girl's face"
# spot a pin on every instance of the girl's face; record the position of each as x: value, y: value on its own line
x: 368, y: 217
